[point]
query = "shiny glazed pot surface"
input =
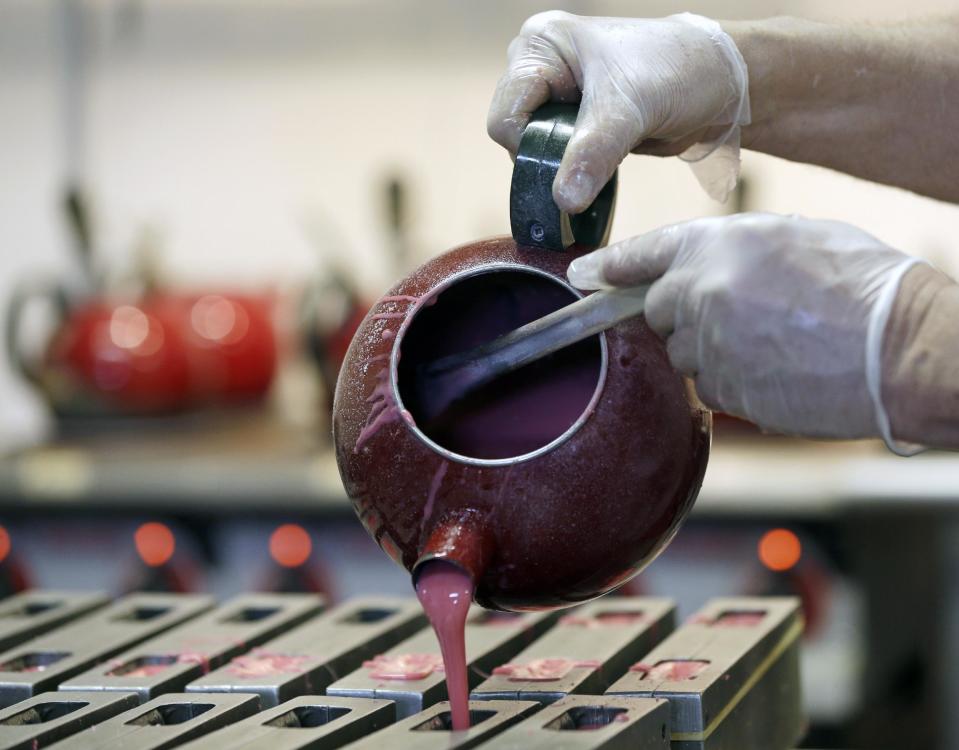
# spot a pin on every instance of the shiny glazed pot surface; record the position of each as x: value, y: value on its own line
x: 550, y: 487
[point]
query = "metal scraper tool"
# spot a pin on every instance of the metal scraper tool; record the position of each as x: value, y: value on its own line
x: 442, y: 382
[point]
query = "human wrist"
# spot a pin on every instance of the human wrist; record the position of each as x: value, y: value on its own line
x: 782, y: 55
x: 920, y: 360
x: 758, y: 42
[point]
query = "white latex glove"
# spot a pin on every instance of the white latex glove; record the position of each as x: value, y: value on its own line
x: 654, y: 86
x: 780, y: 320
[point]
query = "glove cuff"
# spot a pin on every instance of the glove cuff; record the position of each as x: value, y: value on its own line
x: 878, y: 319
x: 716, y: 163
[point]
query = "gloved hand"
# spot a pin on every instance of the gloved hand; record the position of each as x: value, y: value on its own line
x: 653, y: 86
x: 779, y: 319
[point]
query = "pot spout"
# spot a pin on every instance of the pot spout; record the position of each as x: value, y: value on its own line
x: 460, y: 539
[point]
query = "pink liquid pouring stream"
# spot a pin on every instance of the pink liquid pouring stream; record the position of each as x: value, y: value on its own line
x: 445, y: 592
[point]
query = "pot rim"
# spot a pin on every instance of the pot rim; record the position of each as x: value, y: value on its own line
x: 449, y: 281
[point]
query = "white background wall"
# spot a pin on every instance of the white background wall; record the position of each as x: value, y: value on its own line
x: 252, y: 134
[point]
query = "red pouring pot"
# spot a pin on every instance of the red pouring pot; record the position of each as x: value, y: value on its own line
x: 550, y: 486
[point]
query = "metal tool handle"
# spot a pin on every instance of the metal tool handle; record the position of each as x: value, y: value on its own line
x: 535, y: 219
x: 543, y: 336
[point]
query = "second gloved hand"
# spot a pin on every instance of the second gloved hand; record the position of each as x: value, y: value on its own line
x: 780, y: 320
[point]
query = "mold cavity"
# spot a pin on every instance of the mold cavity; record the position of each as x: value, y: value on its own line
x: 139, y: 614
x: 43, y: 712
x: 31, y: 609
x: 171, y: 713
x: 587, y: 718
x: 36, y: 661
x: 676, y: 670
x: 517, y: 413
x: 367, y: 615
x: 443, y: 722
x: 305, y: 717
x: 619, y: 617
x: 739, y: 618
x: 251, y: 614
x: 144, y: 666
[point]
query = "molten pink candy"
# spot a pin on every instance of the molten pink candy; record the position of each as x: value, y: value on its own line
x: 403, y: 666
x: 673, y: 670
x: 445, y: 591
x: 544, y: 670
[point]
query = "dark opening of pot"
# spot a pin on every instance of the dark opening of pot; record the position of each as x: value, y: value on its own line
x: 518, y: 413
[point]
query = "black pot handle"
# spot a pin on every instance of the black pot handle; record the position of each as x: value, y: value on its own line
x: 23, y: 295
x: 535, y: 219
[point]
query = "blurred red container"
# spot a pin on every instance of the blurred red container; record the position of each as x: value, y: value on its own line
x: 163, y: 353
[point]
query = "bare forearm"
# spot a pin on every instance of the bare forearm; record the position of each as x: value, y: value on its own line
x: 920, y: 361
x: 878, y: 102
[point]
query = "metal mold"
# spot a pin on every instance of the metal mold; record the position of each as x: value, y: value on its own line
x: 32, y: 613
x: 45, y: 662
x: 44, y: 719
x: 168, y: 662
x: 586, y: 722
x: 430, y: 729
x: 311, y: 721
x: 312, y: 656
x: 164, y: 722
x: 584, y: 652
x: 732, y: 682
x: 488, y: 643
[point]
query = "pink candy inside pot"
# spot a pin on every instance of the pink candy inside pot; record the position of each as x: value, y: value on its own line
x: 518, y: 413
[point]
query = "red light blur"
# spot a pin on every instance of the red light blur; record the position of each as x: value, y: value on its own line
x: 290, y: 545
x: 155, y: 543
x: 779, y: 549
